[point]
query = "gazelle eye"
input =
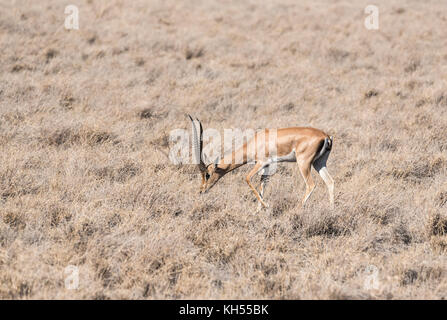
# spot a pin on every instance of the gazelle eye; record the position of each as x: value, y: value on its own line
x: 207, y: 176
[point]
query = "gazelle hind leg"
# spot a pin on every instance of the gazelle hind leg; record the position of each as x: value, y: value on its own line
x: 305, y: 169
x: 320, y: 167
x: 324, y: 174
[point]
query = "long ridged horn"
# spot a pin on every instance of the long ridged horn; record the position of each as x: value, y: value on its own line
x: 197, y: 144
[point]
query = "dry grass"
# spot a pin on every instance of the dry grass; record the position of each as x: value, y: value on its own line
x: 85, y: 118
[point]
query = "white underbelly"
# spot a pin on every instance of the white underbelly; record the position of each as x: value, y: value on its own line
x: 291, y: 157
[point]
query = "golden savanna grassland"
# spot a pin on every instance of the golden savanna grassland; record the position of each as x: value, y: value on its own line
x: 85, y: 119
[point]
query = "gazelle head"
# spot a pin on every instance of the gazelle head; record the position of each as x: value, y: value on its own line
x: 210, y: 172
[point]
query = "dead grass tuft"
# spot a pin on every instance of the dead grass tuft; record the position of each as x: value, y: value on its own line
x: 337, y: 55
x: 20, y: 67
x: 85, y: 121
x: 194, y: 52
x: 117, y: 174
x: 67, y: 101
x: 50, y: 54
x: 409, y: 277
x: 15, y: 220
x: 283, y: 205
x: 420, y: 170
x: 441, y: 100
x: 437, y: 224
x: 441, y: 199
x: 401, y: 234
x: 17, y: 183
x: 371, y: 93
x: 328, y: 226
x: 383, y: 216
x: 139, y: 62
x: 412, y: 66
x: 146, y: 113
x: 68, y: 137
x: 439, y: 244
x: 62, y: 137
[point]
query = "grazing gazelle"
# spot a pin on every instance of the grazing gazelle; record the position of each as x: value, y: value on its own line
x: 306, y: 146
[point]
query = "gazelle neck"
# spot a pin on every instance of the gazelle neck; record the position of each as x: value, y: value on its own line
x: 228, y: 167
x: 232, y: 160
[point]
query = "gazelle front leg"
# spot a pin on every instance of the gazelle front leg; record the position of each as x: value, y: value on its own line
x: 264, y: 180
x: 253, y: 171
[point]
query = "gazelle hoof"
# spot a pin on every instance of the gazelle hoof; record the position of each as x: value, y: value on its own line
x: 262, y: 206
